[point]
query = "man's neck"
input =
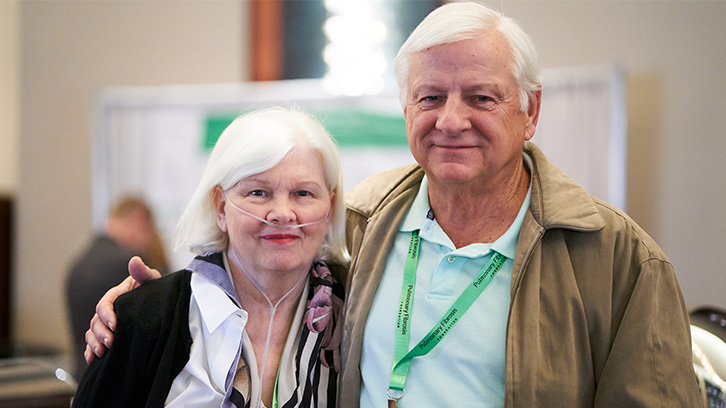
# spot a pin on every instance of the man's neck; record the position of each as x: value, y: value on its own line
x: 471, y: 214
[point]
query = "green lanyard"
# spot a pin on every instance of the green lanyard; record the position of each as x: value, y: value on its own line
x: 402, y: 356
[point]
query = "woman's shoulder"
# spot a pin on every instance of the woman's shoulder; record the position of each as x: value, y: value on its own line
x: 157, y: 297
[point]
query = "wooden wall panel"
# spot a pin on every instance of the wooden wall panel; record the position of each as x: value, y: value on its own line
x: 267, y: 40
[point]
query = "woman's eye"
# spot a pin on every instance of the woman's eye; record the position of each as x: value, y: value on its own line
x: 257, y: 193
x: 303, y: 193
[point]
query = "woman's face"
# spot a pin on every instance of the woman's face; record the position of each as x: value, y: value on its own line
x: 291, y: 193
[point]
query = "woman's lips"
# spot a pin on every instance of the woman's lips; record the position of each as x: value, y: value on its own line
x: 280, y: 238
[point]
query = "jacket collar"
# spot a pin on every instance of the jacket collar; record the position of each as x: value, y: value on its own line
x: 556, y: 200
x: 374, y: 193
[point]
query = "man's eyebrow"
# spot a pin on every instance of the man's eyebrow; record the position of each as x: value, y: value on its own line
x: 426, y: 88
x: 476, y: 86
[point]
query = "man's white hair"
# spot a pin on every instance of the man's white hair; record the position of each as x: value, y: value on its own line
x: 462, y: 21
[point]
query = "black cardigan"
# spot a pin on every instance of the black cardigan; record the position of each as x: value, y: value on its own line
x: 145, y: 359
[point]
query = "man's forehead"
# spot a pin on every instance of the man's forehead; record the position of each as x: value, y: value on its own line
x: 488, y: 50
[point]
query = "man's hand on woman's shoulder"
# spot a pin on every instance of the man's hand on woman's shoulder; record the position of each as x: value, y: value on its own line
x: 100, y: 334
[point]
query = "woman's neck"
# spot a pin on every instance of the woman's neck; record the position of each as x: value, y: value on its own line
x: 267, y: 288
x: 270, y: 299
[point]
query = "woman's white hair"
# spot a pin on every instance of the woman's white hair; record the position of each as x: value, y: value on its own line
x: 251, y: 144
x: 462, y: 21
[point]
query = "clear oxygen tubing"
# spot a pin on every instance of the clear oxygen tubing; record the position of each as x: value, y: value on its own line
x: 275, y: 224
x: 273, y: 310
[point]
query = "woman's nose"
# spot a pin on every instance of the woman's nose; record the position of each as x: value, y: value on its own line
x: 281, y: 212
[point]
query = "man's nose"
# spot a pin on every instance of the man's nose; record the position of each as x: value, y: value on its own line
x: 453, y: 117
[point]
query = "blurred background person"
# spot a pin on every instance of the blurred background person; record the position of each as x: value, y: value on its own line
x: 130, y: 230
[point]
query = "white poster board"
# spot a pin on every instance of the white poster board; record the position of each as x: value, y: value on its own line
x: 149, y: 140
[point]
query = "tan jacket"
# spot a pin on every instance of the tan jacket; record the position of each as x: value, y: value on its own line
x: 596, y: 318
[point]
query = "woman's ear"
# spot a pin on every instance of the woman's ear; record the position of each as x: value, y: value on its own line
x: 219, y: 201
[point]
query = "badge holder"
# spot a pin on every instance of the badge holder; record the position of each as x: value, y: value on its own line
x: 393, y: 401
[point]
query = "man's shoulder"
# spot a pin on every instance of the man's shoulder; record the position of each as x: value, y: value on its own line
x: 621, y: 225
x: 102, y: 264
x: 376, y: 190
x: 102, y: 251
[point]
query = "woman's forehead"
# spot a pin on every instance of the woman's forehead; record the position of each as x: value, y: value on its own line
x: 302, y: 166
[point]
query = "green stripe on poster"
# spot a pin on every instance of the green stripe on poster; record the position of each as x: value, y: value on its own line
x: 350, y: 128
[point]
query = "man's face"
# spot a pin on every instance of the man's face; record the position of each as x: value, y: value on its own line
x: 463, y: 118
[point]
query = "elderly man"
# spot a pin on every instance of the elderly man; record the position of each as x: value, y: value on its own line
x: 484, y: 276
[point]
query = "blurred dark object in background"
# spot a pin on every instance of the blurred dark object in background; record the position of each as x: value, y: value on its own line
x: 30, y: 376
x: 6, y: 224
x: 710, y: 318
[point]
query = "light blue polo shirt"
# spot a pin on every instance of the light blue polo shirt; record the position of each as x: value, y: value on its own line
x: 466, y: 369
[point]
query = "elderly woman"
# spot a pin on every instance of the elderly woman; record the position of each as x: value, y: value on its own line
x: 254, y: 319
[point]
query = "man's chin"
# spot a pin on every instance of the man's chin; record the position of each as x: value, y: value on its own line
x: 452, y: 173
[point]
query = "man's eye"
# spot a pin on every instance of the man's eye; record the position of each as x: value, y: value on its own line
x: 430, y: 98
x: 483, y: 98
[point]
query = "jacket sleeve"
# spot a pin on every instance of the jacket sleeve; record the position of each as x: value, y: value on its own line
x: 114, y: 379
x: 151, y: 346
x: 649, y: 364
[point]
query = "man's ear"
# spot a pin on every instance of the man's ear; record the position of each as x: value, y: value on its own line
x: 219, y: 206
x: 535, y: 102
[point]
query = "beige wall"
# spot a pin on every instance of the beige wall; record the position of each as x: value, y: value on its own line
x: 69, y: 50
x: 9, y: 94
x: 671, y: 51
x: 674, y: 59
